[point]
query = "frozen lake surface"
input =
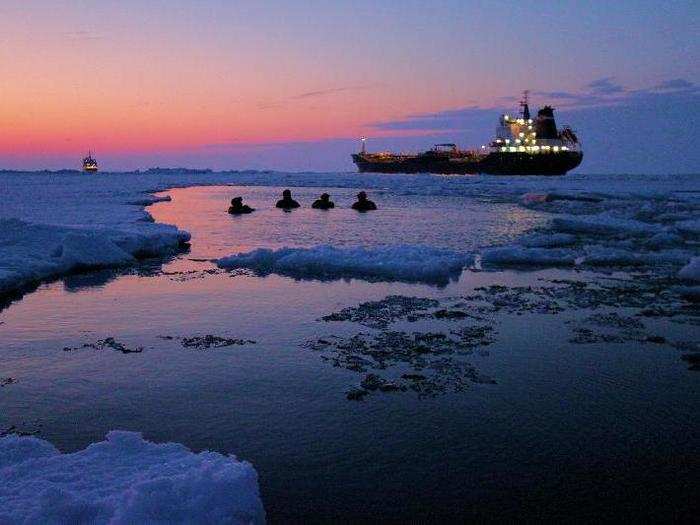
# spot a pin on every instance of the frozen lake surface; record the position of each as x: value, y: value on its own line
x: 552, y: 377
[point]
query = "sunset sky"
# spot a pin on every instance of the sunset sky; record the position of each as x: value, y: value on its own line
x: 291, y: 85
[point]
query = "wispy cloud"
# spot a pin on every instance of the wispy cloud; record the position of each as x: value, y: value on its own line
x: 605, y: 86
x: 309, y: 95
x: 82, y: 36
x: 676, y: 84
x: 598, y: 93
x: 451, y: 119
x: 323, y: 92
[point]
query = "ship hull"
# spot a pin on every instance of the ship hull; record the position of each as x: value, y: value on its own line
x: 491, y: 164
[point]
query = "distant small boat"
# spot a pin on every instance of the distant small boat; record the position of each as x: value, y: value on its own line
x: 89, y: 163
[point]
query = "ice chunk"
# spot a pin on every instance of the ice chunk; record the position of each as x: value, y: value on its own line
x: 603, y: 256
x: 403, y: 262
x: 519, y: 256
x: 32, y: 252
x: 91, y: 251
x: 547, y: 240
x: 691, y: 271
x: 530, y: 198
x: 690, y: 293
x: 124, y: 479
x: 605, y: 225
x: 614, y: 256
x: 689, y: 228
x: 664, y: 240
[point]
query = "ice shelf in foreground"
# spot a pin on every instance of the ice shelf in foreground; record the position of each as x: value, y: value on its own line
x: 33, y: 252
x: 400, y: 263
x: 124, y: 479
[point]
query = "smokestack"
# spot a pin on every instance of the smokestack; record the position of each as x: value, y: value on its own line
x: 545, y: 127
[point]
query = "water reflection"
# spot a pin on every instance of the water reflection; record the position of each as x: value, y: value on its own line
x: 445, y: 222
x: 99, y: 278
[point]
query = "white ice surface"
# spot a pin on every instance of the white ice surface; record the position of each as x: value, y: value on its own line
x: 407, y: 263
x: 31, y: 252
x: 124, y: 480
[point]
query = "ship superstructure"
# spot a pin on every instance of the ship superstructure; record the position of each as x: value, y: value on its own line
x: 522, y: 146
x: 89, y: 163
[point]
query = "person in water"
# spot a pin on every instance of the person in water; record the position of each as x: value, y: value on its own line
x: 237, y: 207
x: 287, y: 203
x: 363, y: 203
x: 323, y: 203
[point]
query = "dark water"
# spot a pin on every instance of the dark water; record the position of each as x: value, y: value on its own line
x: 568, y: 431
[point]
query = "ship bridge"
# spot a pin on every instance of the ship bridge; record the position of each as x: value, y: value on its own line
x: 524, y: 135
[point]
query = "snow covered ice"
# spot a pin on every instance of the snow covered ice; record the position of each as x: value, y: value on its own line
x: 408, y: 263
x: 34, y: 252
x: 124, y: 479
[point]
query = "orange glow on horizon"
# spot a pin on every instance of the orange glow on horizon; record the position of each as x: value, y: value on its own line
x: 64, y: 91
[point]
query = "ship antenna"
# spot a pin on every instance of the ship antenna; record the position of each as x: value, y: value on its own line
x: 525, y: 105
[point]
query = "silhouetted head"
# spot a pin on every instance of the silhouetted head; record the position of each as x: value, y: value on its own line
x: 362, y: 196
x: 286, y: 194
x: 325, y: 196
x: 236, y: 201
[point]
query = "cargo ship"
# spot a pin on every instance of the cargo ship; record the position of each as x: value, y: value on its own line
x: 522, y: 146
x: 89, y: 163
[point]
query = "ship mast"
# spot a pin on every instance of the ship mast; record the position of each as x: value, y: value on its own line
x: 524, y: 104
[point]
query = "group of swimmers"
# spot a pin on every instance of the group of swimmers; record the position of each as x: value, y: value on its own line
x: 286, y: 203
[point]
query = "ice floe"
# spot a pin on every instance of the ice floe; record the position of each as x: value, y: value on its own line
x: 124, y: 479
x: 690, y: 228
x: 402, y: 262
x: 604, y: 224
x: 622, y: 229
x: 520, y: 256
x: 547, y: 240
x: 32, y: 252
x: 691, y: 271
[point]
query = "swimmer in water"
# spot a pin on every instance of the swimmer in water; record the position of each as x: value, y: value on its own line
x: 287, y: 203
x: 323, y: 203
x: 238, y: 208
x: 363, y: 203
